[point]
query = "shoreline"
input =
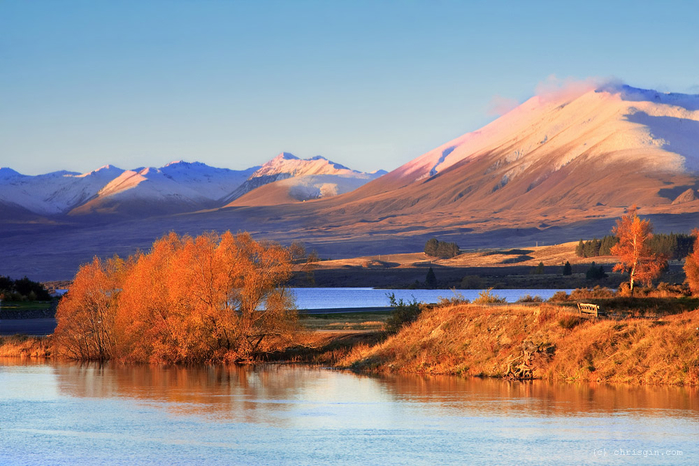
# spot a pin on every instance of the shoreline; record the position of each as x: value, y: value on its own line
x: 508, y: 342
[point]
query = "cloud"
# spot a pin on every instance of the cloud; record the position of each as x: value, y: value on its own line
x: 500, y: 105
x: 554, y: 88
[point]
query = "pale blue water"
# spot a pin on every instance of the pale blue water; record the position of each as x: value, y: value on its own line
x: 332, y: 298
x: 67, y: 414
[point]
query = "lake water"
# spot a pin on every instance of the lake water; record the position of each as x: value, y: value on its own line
x: 333, y: 298
x: 289, y: 415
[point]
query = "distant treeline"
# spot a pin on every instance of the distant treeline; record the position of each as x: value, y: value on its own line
x: 673, y: 245
x: 436, y: 248
x: 22, y: 289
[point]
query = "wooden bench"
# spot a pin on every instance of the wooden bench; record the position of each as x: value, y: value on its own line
x: 591, y: 310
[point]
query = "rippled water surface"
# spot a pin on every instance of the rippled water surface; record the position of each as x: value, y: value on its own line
x: 87, y: 414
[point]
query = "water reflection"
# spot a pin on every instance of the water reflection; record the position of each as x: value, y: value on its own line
x: 241, y: 393
x: 490, y: 397
x: 276, y: 414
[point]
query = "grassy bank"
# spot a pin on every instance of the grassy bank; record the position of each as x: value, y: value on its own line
x: 22, y: 346
x: 547, y: 342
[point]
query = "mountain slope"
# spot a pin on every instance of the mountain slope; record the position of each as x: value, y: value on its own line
x: 557, y: 156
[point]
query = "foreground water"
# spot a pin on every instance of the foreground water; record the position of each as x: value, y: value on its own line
x: 346, y: 298
x: 87, y: 414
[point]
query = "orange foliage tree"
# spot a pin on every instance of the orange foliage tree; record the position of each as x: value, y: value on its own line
x: 691, y: 265
x: 633, y: 249
x: 209, y: 298
x: 86, y: 314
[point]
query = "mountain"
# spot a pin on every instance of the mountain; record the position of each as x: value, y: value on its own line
x: 560, y: 167
x: 53, y: 193
x: 175, y: 188
x: 553, y: 160
x: 287, y: 179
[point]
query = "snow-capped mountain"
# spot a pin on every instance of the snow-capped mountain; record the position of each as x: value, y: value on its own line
x: 175, y: 188
x: 53, y: 193
x: 296, y: 179
x: 557, y: 156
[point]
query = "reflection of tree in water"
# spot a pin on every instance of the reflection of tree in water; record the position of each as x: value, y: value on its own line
x: 497, y: 397
x: 259, y: 395
x: 236, y: 393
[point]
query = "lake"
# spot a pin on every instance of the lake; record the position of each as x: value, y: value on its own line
x: 344, y: 298
x: 289, y: 415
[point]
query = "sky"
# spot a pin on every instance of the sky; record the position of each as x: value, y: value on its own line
x: 368, y: 84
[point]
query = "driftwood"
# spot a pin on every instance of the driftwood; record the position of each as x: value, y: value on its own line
x: 520, y: 367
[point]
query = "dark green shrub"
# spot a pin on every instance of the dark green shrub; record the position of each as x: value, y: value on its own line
x: 403, y: 313
x: 567, y: 269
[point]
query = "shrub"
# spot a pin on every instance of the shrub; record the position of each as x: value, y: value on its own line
x: 530, y: 299
x: 559, y: 296
x: 458, y: 298
x: 487, y: 297
x: 591, y: 293
x: 404, y: 312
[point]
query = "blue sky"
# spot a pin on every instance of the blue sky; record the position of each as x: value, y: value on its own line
x: 369, y: 84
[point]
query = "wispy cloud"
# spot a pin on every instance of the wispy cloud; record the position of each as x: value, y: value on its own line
x: 500, y: 105
x: 554, y: 87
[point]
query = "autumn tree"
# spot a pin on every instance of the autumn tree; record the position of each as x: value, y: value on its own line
x: 691, y: 265
x: 86, y: 314
x: 633, y: 249
x: 210, y: 298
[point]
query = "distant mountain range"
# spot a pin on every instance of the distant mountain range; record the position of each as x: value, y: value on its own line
x: 175, y: 188
x: 561, y: 166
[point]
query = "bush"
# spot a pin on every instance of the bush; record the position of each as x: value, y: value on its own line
x: 487, y: 297
x: 593, y: 293
x: 403, y: 313
x: 530, y: 299
x: 558, y: 296
x: 458, y: 298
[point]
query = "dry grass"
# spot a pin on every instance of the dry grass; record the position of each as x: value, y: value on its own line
x: 22, y: 346
x: 487, y: 341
